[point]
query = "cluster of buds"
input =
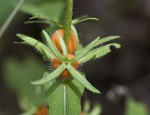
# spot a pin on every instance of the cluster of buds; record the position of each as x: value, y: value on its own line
x: 65, y: 58
x: 71, y: 48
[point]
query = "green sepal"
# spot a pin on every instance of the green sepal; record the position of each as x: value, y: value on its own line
x: 76, y: 21
x: 81, y: 79
x: 63, y: 45
x: 51, y: 45
x: 98, y: 53
x: 51, y: 76
x: 106, y: 39
x: 75, y: 32
x: 40, y: 47
x: 47, y: 20
x: 79, y: 18
x: 86, y: 49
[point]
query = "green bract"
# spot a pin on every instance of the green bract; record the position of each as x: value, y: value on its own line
x: 62, y: 43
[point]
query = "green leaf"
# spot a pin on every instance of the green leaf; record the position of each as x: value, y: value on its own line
x: 80, y: 78
x: 47, y: 20
x: 86, y: 49
x: 51, y: 76
x: 106, y: 39
x: 74, y: 22
x: 63, y: 45
x: 64, y: 98
x: 51, y: 45
x: 134, y: 107
x: 98, y: 53
x: 37, y: 45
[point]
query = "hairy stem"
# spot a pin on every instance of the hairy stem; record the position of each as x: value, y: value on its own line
x: 68, y: 20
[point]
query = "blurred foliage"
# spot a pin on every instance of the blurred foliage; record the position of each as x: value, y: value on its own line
x: 6, y: 8
x: 50, y: 8
x: 18, y: 77
x: 95, y: 110
x: 134, y: 107
x: 53, y: 9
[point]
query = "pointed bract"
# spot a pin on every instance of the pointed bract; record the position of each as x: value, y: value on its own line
x: 98, y: 53
x: 40, y: 47
x: 51, y: 76
x: 86, y: 49
x: 80, y: 78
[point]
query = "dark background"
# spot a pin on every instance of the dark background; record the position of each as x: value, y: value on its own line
x: 128, y: 67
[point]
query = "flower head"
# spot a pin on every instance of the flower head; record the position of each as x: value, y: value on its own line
x: 64, y: 58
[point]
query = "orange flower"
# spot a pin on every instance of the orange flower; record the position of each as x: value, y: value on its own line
x: 56, y: 63
x: 72, y: 44
x: 43, y: 110
x: 82, y: 113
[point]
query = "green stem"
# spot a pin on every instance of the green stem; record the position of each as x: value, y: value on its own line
x: 68, y: 20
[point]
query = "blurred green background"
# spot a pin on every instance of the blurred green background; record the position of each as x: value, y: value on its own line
x: 123, y: 76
